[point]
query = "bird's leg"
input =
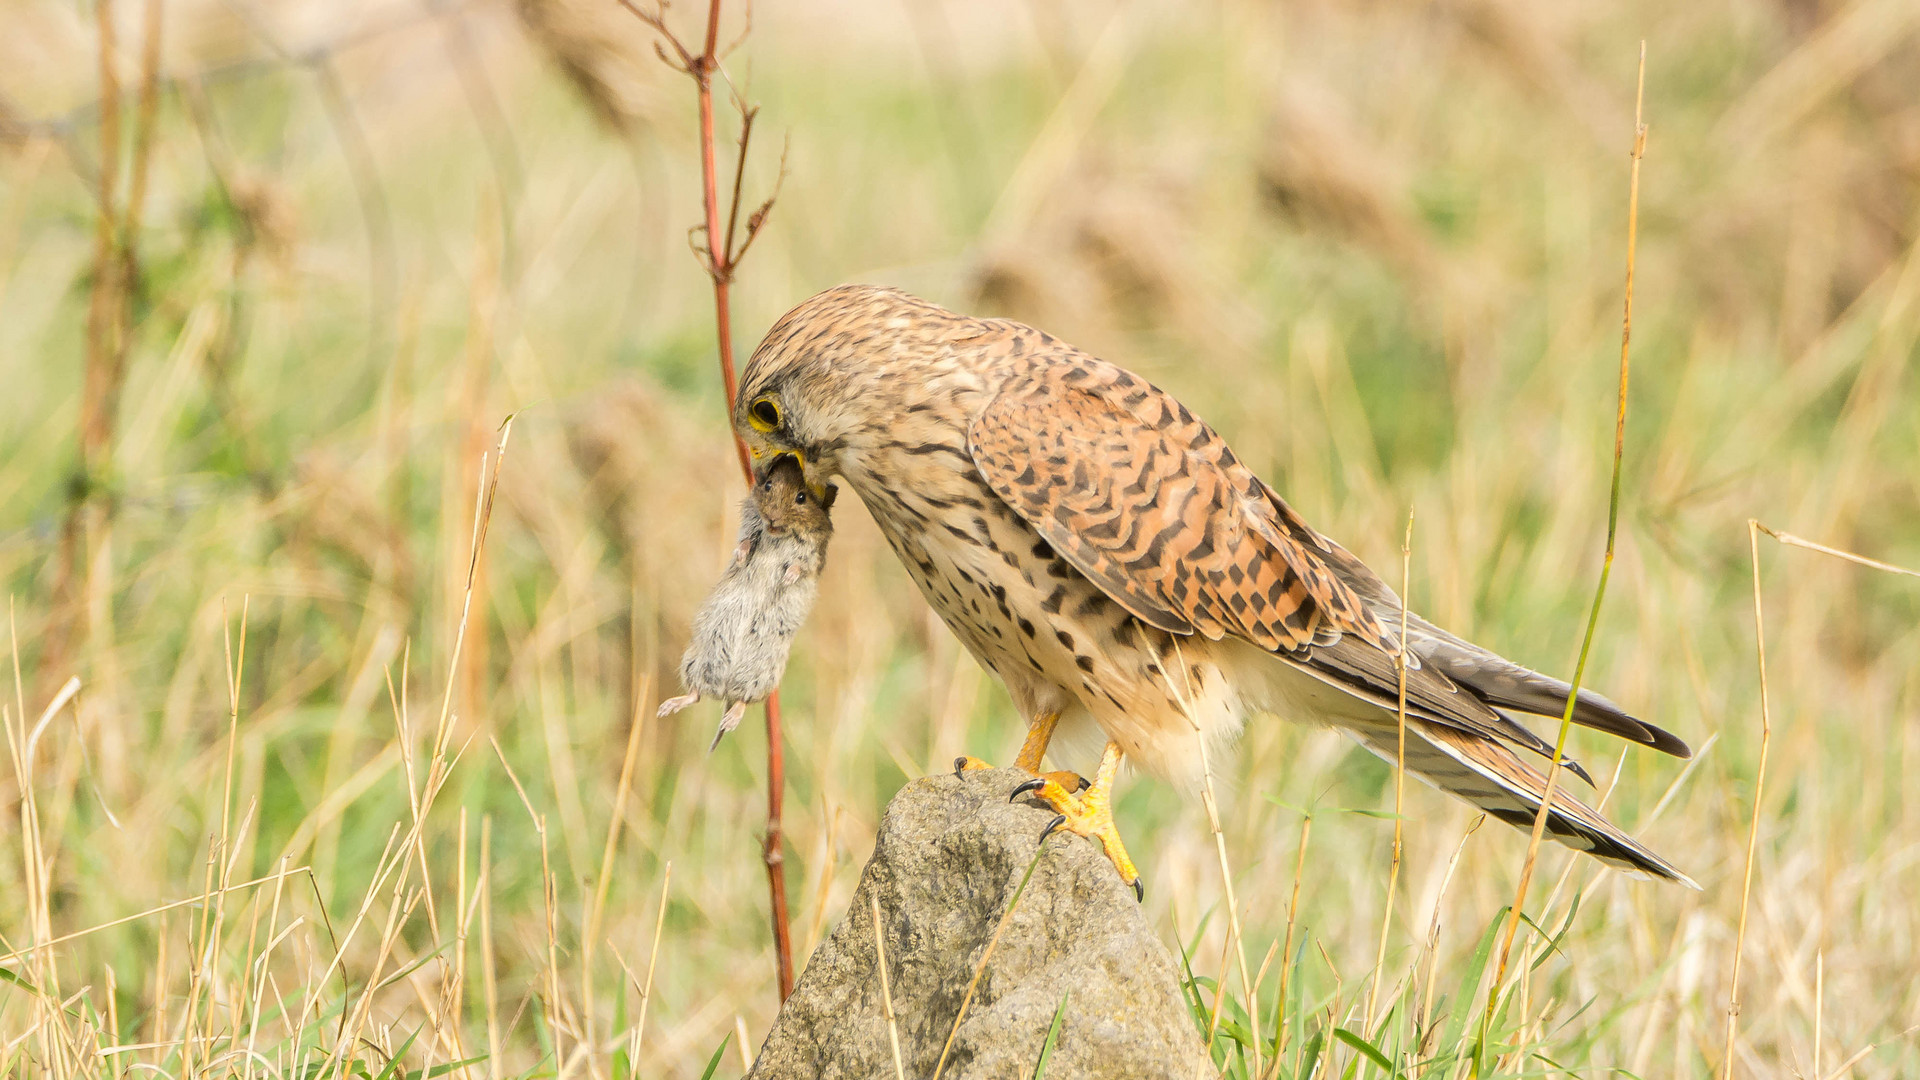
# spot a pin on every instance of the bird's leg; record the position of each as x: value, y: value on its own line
x: 1091, y: 813
x: 1039, y: 735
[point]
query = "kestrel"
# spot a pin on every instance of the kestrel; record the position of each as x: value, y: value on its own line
x: 1134, y: 585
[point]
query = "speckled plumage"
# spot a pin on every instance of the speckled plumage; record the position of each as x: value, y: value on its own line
x: 1103, y: 552
x: 746, y: 626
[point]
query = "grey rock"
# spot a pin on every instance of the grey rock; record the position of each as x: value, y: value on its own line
x: 949, y: 855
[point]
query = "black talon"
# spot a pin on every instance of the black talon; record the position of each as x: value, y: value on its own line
x: 959, y: 767
x: 1139, y: 892
x: 1058, y: 820
x: 1084, y: 785
x: 1026, y: 786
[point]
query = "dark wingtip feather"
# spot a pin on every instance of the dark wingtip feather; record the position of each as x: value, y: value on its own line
x: 1667, y: 742
x: 1600, y: 714
x: 1577, y: 769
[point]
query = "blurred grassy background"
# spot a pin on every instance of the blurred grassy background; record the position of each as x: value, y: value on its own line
x: 1378, y: 244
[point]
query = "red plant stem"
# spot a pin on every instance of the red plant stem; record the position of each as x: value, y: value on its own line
x: 713, y: 42
x: 770, y: 849
x: 720, y: 268
x: 720, y: 265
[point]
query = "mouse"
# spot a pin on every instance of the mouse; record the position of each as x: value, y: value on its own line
x: 746, y: 625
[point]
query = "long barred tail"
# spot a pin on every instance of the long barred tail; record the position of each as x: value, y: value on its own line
x: 1490, y: 776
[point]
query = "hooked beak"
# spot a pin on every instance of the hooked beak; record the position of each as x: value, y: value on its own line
x: 809, y: 470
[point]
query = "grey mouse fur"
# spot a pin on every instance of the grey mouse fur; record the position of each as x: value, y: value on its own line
x: 747, y: 624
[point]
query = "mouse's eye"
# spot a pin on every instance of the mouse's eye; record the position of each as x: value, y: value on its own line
x: 764, y: 414
x: 799, y: 498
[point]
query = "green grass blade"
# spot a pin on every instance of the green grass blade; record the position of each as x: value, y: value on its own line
x: 1190, y: 988
x: 1470, y: 985
x: 442, y: 1070
x: 8, y: 976
x: 1053, y: 1035
x: 1555, y: 939
x: 1311, y: 1055
x: 393, y: 1063
x: 622, y: 1065
x: 1366, y: 1048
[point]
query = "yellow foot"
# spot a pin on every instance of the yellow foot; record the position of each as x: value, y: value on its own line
x: 1088, y: 814
x: 1085, y: 815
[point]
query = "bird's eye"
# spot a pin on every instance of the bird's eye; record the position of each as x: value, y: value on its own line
x: 764, y: 414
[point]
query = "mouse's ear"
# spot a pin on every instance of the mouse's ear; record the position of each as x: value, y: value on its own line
x: 826, y: 501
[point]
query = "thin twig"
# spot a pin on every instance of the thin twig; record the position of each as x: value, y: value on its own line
x: 720, y: 266
x: 747, y: 115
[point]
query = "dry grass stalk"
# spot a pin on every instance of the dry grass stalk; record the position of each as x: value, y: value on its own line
x: 986, y: 954
x: 1433, y: 930
x: 1399, y: 774
x: 256, y: 971
x: 402, y: 852
x: 1819, y: 1003
x: 653, y: 957
x: 489, y: 968
x: 1606, y: 569
x: 596, y: 910
x: 213, y: 906
x: 1861, y: 560
x: 823, y: 892
x: 42, y: 965
x: 1286, y: 952
x: 548, y: 899
x: 886, y: 988
x: 1260, y: 976
x: 1236, y: 941
x: 103, y: 299
x: 1754, y: 529
x: 144, y: 123
x: 196, y: 899
x: 98, y: 388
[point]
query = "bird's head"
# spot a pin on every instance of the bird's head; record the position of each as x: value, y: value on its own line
x: 782, y: 419
x: 818, y: 379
